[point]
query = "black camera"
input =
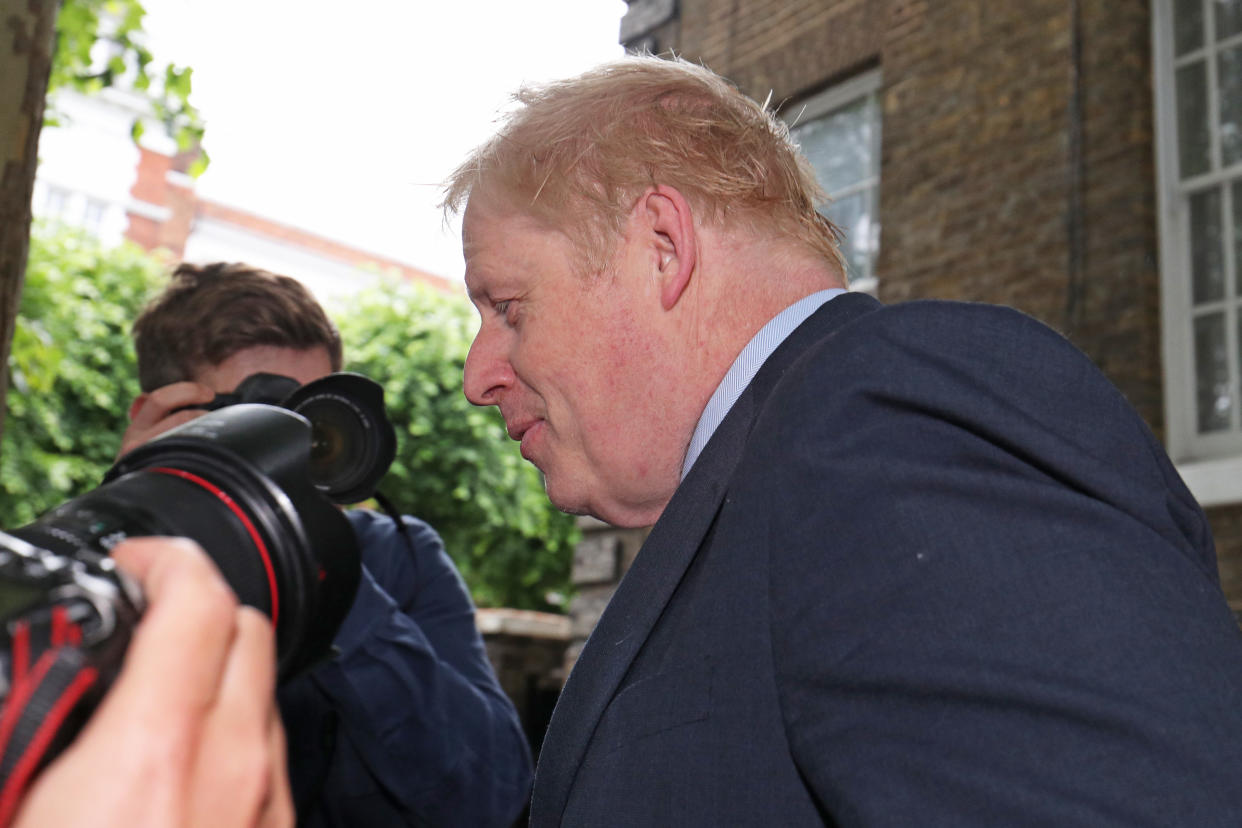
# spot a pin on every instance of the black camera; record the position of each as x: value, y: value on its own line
x: 254, y: 481
x: 352, y: 441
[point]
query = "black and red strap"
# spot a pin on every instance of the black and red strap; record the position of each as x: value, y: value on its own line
x: 41, y: 701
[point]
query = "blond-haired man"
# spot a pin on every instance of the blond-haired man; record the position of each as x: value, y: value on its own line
x: 910, y: 565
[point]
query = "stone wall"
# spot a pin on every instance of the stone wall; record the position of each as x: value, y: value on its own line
x: 600, y: 559
x: 527, y: 651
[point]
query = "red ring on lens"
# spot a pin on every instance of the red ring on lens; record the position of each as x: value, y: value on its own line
x: 250, y: 527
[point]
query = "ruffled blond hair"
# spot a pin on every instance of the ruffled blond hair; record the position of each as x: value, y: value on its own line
x: 575, y: 154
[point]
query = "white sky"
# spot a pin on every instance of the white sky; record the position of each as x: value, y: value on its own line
x: 342, y: 118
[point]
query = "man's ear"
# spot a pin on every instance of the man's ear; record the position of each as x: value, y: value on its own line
x: 672, y: 224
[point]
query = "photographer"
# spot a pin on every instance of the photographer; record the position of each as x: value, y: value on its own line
x: 188, y: 734
x: 408, y: 725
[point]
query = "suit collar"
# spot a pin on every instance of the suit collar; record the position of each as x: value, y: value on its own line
x: 641, y: 596
x: 747, y: 364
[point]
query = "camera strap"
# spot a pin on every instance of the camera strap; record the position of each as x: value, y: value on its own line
x: 392, y: 512
x: 42, y: 698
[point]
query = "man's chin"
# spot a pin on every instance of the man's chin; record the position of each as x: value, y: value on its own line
x: 567, y: 505
x: 618, y: 519
x: 571, y: 503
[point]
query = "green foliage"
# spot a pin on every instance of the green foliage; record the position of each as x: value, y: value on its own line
x: 456, y: 468
x: 99, y: 43
x: 71, y: 369
x: 72, y: 378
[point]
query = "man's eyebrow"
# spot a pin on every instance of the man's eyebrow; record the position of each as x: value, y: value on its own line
x: 475, y: 291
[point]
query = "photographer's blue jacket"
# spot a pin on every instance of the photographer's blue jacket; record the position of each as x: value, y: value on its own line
x: 408, y: 726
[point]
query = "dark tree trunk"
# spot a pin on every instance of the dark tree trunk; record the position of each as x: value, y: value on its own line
x: 27, y: 32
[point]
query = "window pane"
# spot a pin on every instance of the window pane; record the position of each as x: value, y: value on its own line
x: 853, y: 215
x: 1193, y: 140
x: 868, y: 241
x: 1230, y: 97
x: 1212, y: 386
x: 1237, y: 237
x: 56, y: 202
x: 1187, y: 25
x: 93, y: 215
x: 1228, y: 18
x: 1238, y: 332
x: 1207, y: 262
x: 839, y: 145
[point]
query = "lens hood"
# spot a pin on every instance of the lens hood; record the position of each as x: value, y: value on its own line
x: 352, y: 441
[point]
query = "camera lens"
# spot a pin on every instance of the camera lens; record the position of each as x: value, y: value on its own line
x: 236, y: 481
x: 341, y: 453
x: 328, y: 447
x: 352, y: 443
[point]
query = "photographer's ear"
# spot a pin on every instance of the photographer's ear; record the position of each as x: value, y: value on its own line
x: 137, y: 404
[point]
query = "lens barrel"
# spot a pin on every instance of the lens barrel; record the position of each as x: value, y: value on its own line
x: 237, y: 481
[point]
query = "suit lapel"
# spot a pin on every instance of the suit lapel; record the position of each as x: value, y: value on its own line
x: 651, y: 580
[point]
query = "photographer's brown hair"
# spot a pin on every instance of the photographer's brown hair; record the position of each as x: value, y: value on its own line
x: 209, y: 312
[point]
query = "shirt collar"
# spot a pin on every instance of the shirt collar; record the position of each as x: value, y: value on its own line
x: 747, y: 364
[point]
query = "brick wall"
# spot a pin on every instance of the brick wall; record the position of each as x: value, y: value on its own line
x: 160, y: 183
x: 166, y: 209
x: 1017, y: 150
x: 788, y: 47
x: 1227, y: 530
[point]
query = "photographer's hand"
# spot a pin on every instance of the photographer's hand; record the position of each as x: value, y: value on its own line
x: 149, y: 414
x: 189, y: 734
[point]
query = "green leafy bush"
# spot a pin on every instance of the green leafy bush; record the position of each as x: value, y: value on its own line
x: 456, y: 468
x: 84, y: 29
x: 72, y: 378
x: 71, y: 369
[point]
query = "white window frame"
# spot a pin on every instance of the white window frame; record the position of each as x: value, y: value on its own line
x: 823, y: 103
x: 1211, y: 464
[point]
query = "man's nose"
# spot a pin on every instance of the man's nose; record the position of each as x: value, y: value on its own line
x: 487, y: 372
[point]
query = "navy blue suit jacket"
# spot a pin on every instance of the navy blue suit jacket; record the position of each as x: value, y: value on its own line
x: 408, y: 725
x: 932, y: 569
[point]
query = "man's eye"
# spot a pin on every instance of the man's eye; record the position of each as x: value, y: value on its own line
x: 508, y: 310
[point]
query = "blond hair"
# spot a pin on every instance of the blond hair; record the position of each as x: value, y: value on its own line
x: 575, y: 154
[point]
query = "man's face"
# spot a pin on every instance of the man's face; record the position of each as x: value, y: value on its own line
x: 302, y: 365
x: 576, y: 365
